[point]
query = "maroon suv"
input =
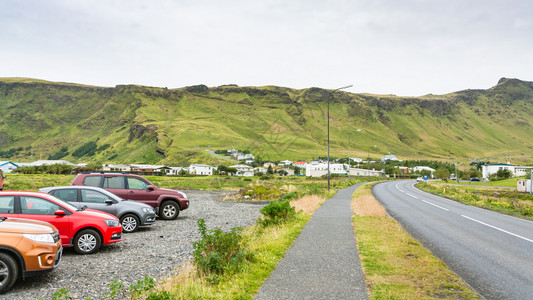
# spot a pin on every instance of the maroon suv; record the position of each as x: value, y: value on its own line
x: 167, y: 203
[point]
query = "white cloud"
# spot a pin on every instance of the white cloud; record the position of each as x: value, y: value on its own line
x: 407, y: 47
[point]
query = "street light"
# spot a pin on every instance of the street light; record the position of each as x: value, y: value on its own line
x: 329, y: 96
x: 349, y: 159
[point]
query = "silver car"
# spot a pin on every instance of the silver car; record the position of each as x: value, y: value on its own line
x: 131, y: 214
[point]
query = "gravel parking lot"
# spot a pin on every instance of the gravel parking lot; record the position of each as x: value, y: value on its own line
x: 154, y: 251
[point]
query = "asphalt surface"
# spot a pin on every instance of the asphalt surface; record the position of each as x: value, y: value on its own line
x: 323, y: 263
x: 492, y: 252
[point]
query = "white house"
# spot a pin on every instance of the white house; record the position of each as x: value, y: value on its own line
x: 290, y: 172
x: 269, y: 164
x: 390, y: 157
x: 197, y: 169
x: 50, y: 162
x: 260, y: 170
x: 175, y: 170
x: 245, y: 173
x: 419, y: 169
x: 241, y: 167
x: 7, y: 166
x: 318, y: 170
x: 488, y: 170
x: 120, y: 168
x: 366, y: 172
x: 356, y: 159
x: 285, y: 163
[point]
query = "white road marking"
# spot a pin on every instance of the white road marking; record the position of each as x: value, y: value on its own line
x: 497, y: 228
x: 443, y: 208
x: 411, y: 195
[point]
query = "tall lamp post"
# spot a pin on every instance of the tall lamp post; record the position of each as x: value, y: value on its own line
x: 329, y: 96
x: 349, y: 159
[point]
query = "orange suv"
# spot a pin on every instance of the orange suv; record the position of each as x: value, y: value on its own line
x: 27, y: 248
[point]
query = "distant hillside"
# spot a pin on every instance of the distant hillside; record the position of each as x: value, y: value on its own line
x: 140, y: 124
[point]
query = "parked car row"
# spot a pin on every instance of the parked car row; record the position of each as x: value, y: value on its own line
x: 91, y: 212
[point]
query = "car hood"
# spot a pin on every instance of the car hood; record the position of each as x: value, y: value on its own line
x: 15, y: 225
x: 91, y: 213
x: 169, y: 191
x: 132, y: 203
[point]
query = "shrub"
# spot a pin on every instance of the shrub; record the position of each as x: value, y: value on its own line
x: 218, y: 252
x: 277, y: 212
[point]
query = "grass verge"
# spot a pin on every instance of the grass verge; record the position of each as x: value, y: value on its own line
x: 268, y: 246
x: 395, y: 265
x: 501, y: 200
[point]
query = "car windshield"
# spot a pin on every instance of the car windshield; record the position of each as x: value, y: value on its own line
x: 65, y: 204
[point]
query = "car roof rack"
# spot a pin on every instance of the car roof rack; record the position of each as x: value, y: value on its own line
x: 103, y: 172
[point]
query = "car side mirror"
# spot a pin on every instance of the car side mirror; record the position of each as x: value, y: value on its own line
x: 59, y: 212
x: 150, y: 187
x: 108, y: 202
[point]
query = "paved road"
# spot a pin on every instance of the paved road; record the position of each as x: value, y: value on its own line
x: 220, y: 156
x: 323, y: 263
x: 492, y: 252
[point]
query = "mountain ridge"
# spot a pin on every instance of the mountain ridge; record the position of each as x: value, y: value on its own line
x: 143, y: 124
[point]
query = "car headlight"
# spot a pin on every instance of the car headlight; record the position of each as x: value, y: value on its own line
x: 112, y: 223
x: 41, y: 238
x: 147, y: 209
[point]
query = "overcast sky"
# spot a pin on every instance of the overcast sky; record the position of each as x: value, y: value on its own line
x: 402, y: 47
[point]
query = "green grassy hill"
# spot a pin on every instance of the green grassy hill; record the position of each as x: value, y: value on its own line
x: 139, y: 124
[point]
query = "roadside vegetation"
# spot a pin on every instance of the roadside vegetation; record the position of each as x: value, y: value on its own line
x: 501, y: 200
x: 234, y: 265
x: 395, y: 265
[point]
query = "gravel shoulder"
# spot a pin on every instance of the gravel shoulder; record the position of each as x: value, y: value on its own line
x: 155, y: 251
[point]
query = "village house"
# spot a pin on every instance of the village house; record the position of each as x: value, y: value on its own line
x: 176, y: 170
x: 365, y: 172
x: 269, y: 164
x: 285, y: 163
x: 419, y: 169
x: 300, y: 164
x: 118, y: 168
x: 389, y: 157
x: 245, y: 173
x: 198, y: 169
x: 7, y: 166
x: 290, y: 172
x: 321, y: 169
x: 260, y: 170
x: 516, y: 171
x: 356, y: 159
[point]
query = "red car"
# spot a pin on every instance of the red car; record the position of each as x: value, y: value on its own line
x: 85, y: 230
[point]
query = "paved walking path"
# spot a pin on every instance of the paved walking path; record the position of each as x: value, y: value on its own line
x: 323, y: 263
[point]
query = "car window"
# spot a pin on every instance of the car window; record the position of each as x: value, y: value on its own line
x: 93, y: 196
x: 37, y: 206
x: 70, y: 195
x: 7, y: 204
x: 114, y: 182
x: 92, y: 181
x: 136, y: 184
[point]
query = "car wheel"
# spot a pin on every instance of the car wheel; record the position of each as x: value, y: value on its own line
x: 130, y: 223
x: 9, y: 271
x: 87, y: 241
x: 169, y: 210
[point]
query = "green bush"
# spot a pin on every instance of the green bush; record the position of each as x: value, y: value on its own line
x: 218, y: 252
x: 277, y: 212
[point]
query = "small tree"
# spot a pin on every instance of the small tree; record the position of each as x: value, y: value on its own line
x: 503, y: 174
x: 442, y: 173
x: 269, y: 170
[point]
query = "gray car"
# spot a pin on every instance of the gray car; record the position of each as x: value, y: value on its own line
x: 131, y: 214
